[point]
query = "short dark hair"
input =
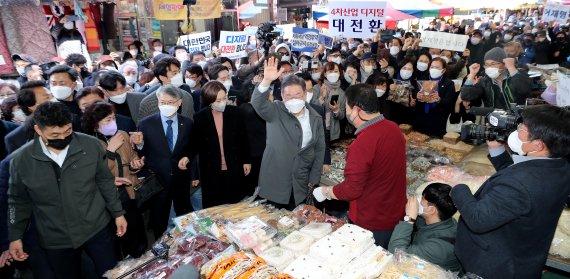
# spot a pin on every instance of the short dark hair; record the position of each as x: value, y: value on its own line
x: 52, y: 114
x: 7, y: 105
x: 93, y: 114
x: 306, y: 77
x: 334, y: 50
x: 399, y: 41
x: 551, y: 125
x: 210, y: 92
x: 75, y: 59
x: 64, y: 69
x: 376, y: 79
x: 108, y: 80
x: 175, y: 48
x: 363, y: 96
x: 215, y: 70
x: 195, y: 69
x: 438, y: 195
x: 225, y: 59
x: 156, y: 41
x: 26, y: 96
x: 196, y: 53
x: 330, y: 66
x: 89, y: 90
x: 292, y: 80
x: 29, y: 68
x: 163, y: 65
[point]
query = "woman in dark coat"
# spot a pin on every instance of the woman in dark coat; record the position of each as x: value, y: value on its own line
x: 431, y: 117
x: 219, y: 139
x: 400, y: 108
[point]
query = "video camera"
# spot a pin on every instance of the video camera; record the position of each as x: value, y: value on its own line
x: 266, y: 34
x: 499, y: 124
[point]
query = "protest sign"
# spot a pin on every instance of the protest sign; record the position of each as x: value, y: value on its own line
x: 563, y: 90
x: 197, y: 42
x: 233, y: 45
x: 443, y: 40
x: 326, y: 40
x: 356, y: 19
x: 305, y: 39
x: 556, y: 12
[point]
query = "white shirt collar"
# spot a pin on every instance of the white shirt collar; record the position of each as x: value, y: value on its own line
x: 57, y: 158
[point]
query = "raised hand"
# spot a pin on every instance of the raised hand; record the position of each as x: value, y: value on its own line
x: 270, y: 72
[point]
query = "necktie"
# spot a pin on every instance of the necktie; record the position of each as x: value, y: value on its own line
x: 170, y: 135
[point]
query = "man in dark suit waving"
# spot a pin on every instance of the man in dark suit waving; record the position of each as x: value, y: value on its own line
x: 166, y: 141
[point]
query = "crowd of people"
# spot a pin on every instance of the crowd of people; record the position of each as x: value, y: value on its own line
x: 80, y: 139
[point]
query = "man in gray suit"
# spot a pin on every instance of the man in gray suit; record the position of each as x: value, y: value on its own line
x: 126, y: 101
x: 167, y: 71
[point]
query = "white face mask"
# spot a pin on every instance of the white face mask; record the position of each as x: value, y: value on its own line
x: 475, y: 41
x: 420, y: 206
x: 158, y: 49
x: 19, y: 116
x: 134, y: 52
x: 295, y: 105
x: 422, y: 66
x: 380, y: 92
x: 167, y: 110
x: 508, y: 37
x: 347, y: 78
x: 68, y: 25
x: 394, y: 50
x: 405, y: 74
x: 177, y: 80
x: 344, y: 48
x: 487, y: 34
x: 228, y: 84
x: 110, y: 68
x: 492, y: 72
x: 61, y: 92
x: 21, y: 70
x: 191, y: 82
x: 316, y: 76
x: 337, y: 60
x: 202, y: 64
x: 368, y: 69
x: 445, y: 59
x: 131, y: 79
x: 220, y: 107
x: 333, y: 77
x: 119, y: 99
x: 285, y: 58
x: 515, y: 143
x: 435, y: 73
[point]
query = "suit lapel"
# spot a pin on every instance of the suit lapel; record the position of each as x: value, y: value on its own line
x: 181, y: 130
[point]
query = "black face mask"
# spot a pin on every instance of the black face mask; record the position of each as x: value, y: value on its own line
x: 59, y: 144
x: 84, y: 72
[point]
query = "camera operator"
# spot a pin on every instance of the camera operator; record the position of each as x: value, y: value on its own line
x: 501, y: 85
x: 506, y: 228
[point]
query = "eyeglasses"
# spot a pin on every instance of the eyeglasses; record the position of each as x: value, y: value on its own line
x: 171, y: 103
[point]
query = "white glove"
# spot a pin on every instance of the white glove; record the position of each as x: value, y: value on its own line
x: 319, y: 195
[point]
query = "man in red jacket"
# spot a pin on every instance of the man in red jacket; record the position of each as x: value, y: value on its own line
x: 375, y: 173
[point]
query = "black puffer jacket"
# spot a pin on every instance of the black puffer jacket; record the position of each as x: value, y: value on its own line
x: 515, y: 89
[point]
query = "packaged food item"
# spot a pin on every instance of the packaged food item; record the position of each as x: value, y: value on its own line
x: 407, y: 265
x: 317, y: 230
x: 250, y: 233
x: 405, y: 128
x: 297, y: 242
x: 451, y: 138
x: 306, y: 214
x: 357, y: 238
x: 333, y: 252
x: 308, y: 268
x: 368, y: 265
x: 278, y: 257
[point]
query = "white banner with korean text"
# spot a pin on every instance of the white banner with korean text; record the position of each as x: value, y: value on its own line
x: 443, y: 40
x: 356, y: 19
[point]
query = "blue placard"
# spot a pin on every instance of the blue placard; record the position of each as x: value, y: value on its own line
x: 326, y: 41
x: 305, y: 39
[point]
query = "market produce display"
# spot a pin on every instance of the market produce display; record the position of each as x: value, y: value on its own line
x: 561, y: 242
x: 409, y: 266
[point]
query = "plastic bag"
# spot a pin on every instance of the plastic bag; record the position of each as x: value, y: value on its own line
x: 407, y: 265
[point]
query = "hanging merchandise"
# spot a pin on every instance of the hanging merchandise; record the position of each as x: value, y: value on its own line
x: 109, y: 20
x: 57, y: 9
x: 174, y: 10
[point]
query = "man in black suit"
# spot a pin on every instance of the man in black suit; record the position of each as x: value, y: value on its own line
x: 90, y: 95
x: 31, y: 95
x: 506, y: 228
x: 166, y: 140
x: 122, y: 97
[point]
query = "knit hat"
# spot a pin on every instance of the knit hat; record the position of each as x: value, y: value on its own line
x: 285, y: 46
x: 495, y: 54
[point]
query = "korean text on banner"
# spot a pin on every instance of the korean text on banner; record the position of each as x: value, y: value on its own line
x: 305, y: 39
x: 326, y: 41
x: 442, y: 40
x: 356, y: 19
x: 233, y: 45
x: 556, y: 12
x: 563, y: 90
x: 174, y: 10
x: 197, y: 42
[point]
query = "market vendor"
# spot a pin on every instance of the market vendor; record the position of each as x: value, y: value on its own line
x: 375, y: 173
x: 506, y: 228
x: 428, y: 230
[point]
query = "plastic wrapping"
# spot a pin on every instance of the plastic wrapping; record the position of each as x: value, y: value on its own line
x: 368, y: 265
x: 317, y: 230
x: 278, y: 257
x: 407, y: 265
x: 251, y: 233
x: 297, y: 242
x: 306, y: 214
x: 238, y: 266
x: 308, y: 268
x: 357, y: 238
x: 334, y: 252
x: 561, y: 243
